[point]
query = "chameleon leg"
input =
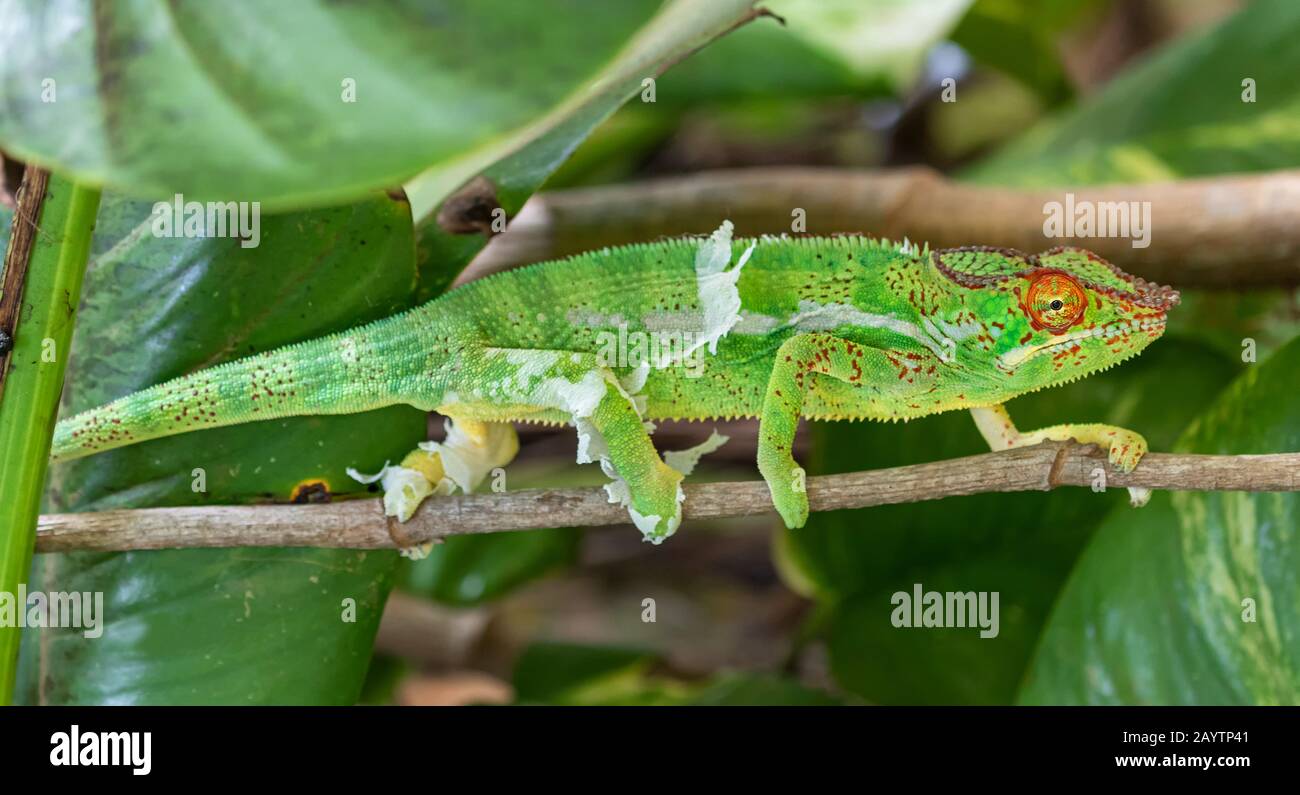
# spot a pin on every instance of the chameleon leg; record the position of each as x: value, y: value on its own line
x: 1124, y: 448
x: 799, y: 356
x: 610, y: 428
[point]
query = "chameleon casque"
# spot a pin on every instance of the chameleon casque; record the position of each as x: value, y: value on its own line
x: 778, y: 328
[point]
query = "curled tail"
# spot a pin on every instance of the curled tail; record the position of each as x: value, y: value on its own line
x: 354, y: 371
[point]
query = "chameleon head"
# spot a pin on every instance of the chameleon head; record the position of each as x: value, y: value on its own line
x: 1062, y: 314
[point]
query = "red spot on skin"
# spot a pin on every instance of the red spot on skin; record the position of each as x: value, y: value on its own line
x: 1029, y: 335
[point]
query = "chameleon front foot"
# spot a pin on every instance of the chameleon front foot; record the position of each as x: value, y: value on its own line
x: 1124, y: 448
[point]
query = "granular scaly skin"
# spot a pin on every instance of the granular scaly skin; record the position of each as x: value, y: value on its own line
x: 613, y: 340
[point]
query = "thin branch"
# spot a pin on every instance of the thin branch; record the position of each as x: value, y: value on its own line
x: 1237, y: 230
x: 22, y: 236
x: 358, y: 524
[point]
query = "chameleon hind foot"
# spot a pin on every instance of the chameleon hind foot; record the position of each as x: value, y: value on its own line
x: 461, y: 461
x: 1124, y: 448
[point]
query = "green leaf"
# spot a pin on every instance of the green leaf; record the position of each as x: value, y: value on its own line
x: 1022, y: 545
x: 1156, y: 611
x: 237, y: 625
x: 1180, y: 113
x: 251, y: 100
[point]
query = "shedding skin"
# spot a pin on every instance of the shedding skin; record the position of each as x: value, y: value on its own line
x: 610, y: 342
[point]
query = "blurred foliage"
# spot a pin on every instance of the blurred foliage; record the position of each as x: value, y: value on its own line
x: 1179, y: 113
x: 1021, y: 40
x: 585, y: 675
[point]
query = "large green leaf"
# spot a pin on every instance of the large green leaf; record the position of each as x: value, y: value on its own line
x: 1180, y: 113
x: 250, y: 99
x: 1157, y: 610
x: 1020, y: 545
x: 237, y: 625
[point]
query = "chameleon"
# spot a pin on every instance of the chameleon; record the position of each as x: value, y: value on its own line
x: 707, y: 328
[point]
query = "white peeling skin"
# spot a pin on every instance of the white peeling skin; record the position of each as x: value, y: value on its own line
x: 366, y: 480
x: 404, y: 489
x: 719, y: 297
x: 468, y: 462
x: 685, y: 461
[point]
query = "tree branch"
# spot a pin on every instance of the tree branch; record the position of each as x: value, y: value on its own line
x: 359, y: 524
x: 1238, y: 230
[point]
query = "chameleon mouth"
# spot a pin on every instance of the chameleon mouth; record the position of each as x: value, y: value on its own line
x: 1060, y: 342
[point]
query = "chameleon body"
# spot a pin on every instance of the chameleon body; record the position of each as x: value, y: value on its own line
x: 778, y: 328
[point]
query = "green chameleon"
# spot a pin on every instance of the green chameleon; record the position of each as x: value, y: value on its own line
x: 612, y: 341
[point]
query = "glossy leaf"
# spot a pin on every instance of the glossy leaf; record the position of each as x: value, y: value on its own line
x: 305, y: 102
x: 238, y: 625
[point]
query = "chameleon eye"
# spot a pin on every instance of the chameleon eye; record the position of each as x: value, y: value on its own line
x: 1055, y: 302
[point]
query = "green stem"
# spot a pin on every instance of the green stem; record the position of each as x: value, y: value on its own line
x: 29, y: 402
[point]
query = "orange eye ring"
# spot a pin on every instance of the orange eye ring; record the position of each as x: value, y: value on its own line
x: 1055, y: 302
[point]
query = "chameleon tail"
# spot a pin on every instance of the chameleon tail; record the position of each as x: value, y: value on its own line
x: 339, y: 374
